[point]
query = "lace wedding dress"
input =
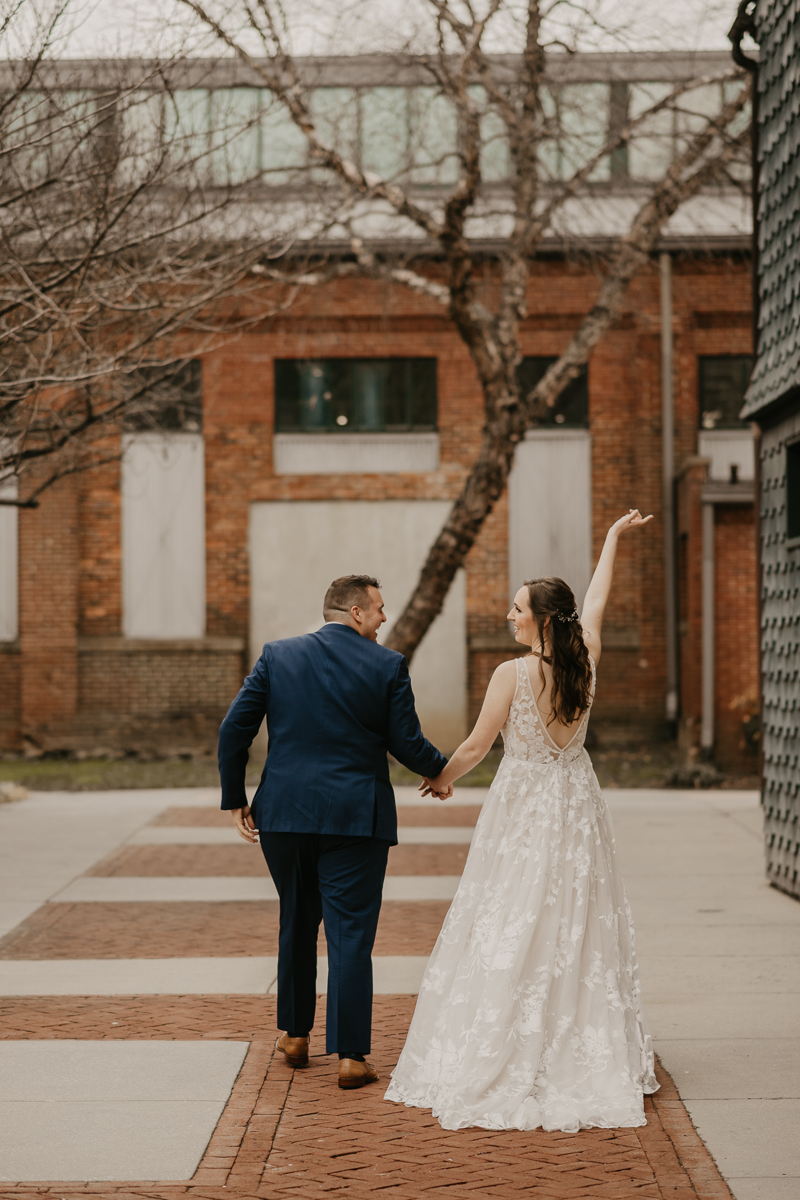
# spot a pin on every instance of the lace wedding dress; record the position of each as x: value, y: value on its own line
x: 530, y: 1013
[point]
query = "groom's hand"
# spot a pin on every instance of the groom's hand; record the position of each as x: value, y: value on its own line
x: 244, y: 823
x: 429, y: 787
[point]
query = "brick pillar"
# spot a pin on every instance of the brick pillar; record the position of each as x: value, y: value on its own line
x: 48, y: 623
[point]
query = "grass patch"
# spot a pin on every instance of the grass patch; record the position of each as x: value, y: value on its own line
x: 108, y: 774
x: 639, y: 766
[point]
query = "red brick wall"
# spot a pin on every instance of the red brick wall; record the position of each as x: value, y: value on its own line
x: 48, y: 615
x: 99, y: 581
x: 165, y: 699
x: 361, y: 317
x: 10, y: 714
x: 736, y: 641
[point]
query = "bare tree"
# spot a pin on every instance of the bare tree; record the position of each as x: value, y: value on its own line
x: 509, y: 93
x: 125, y: 249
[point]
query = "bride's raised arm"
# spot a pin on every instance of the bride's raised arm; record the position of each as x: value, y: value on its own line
x: 594, y: 605
x: 494, y: 712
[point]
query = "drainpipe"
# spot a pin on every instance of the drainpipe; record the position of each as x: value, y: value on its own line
x: 707, y: 718
x: 667, y: 479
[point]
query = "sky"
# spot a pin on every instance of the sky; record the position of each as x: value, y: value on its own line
x: 99, y: 28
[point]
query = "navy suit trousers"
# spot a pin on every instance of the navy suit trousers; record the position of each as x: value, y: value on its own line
x: 338, y: 879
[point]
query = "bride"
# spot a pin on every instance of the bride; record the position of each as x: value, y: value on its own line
x: 530, y: 1011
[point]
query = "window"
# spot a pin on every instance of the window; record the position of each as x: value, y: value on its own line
x: 384, y: 130
x: 355, y: 395
x: 571, y: 409
x: 167, y: 398
x: 723, y: 383
x: 583, y: 111
x: 434, y: 138
x: 235, y: 116
x: 793, y: 490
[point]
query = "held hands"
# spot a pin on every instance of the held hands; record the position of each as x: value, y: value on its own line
x: 632, y: 518
x: 244, y: 824
x: 429, y: 787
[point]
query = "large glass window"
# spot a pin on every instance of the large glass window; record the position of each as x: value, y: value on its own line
x: 583, y: 125
x: 354, y: 394
x: 571, y: 409
x: 723, y: 382
x: 235, y: 115
x: 384, y: 130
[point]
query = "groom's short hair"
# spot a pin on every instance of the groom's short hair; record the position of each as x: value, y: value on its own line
x: 347, y: 591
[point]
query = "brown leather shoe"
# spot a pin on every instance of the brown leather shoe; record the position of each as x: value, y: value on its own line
x: 354, y: 1074
x: 294, y: 1050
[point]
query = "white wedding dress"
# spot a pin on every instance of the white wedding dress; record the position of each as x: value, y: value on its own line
x: 530, y: 1012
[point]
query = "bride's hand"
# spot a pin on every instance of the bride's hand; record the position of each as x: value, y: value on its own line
x: 442, y: 793
x: 632, y: 517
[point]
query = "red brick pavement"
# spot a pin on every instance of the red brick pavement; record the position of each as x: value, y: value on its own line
x: 249, y: 861
x: 178, y: 929
x: 294, y: 1134
x: 291, y: 1133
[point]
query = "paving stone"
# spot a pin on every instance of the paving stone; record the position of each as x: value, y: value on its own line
x: 294, y: 1133
x: 287, y: 1133
x: 202, y: 835
x: 176, y: 929
x: 228, y: 888
x: 182, y: 861
x: 416, y: 814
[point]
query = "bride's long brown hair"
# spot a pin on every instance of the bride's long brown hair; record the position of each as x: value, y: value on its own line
x: 569, y: 658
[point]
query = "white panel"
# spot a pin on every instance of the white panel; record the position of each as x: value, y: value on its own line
x: 728, y: 448
x: 354, y: 453
x: 550, y: 509
x: 297, y: 548
x: 163, y: 536
x: 9, y: 543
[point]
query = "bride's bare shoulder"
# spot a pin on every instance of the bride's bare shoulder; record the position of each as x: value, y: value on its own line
x: 504, y: 678
x: 506, y: 670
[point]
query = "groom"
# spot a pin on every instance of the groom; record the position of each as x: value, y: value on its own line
x: 335, y: 702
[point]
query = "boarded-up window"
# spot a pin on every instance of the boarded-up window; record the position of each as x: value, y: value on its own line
x: 550, y: 509
x: 9, y: 516
x: 163, y: 536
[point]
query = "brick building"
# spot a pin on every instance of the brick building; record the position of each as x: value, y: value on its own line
x: 333, y: 438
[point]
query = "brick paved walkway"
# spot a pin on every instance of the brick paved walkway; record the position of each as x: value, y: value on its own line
x: 291, y: 1133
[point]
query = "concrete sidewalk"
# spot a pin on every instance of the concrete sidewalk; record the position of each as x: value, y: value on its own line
x: 124, y: 932
x: 719, y: 952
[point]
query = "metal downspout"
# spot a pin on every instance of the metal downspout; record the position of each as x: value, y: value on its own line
x: 668, y: 486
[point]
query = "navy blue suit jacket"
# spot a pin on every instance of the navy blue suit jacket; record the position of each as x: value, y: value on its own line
x: 335, y: 703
